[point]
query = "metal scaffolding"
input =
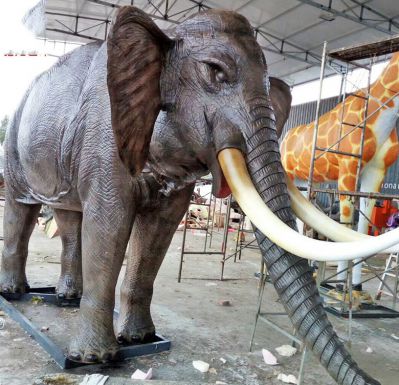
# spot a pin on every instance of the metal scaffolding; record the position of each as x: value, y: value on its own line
x: 210, y: 228
x: 350, y: 58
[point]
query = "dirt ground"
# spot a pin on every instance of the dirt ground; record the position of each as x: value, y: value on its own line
x: 191, y: 316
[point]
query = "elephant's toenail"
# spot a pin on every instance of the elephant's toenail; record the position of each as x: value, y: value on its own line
x: 107, y: 357
x: 120, y: 339
x: 136, y: 338
x: 74, y: 356
x: 91, y: 358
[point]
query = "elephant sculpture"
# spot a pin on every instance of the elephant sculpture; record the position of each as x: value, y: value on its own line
x: 113, y: 137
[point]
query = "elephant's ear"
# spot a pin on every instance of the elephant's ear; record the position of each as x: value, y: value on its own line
x: 136, y: 50
x: 280, y: 95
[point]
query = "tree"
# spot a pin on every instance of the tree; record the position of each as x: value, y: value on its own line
x: 3, y: 128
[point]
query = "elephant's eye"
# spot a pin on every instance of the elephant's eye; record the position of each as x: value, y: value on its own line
x: 217, y: 73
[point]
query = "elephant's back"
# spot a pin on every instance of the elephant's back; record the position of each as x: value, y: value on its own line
x: 46, y: 126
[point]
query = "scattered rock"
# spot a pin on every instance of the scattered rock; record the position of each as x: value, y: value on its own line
x: 140, y: 375
x: 36, y: 300
x: 94, y: 379
x: 395, y: 337
x: 223, y: 360
x: 288, y: 379
x: 211, y: 284
x: 57, y: 379
x: 224, y: 302
x: 44, y: 329
x: 286, y: 350
x: 369, y: 350
x: 220, y: 383
x: 2, y: 314
x: 269, y: 357
x: 202, y: 366
x: 213, y: 371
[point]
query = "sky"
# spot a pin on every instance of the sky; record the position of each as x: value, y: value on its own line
x: 17, y: 72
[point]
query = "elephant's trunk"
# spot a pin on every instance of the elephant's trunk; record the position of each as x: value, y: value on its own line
x: 290, y: 274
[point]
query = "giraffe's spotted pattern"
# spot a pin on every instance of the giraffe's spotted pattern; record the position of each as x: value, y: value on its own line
x: 379, y: 141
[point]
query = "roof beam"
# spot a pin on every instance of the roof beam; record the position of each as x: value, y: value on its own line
x: 73, y: 34
x: 356, y: 19
x: 112, y: 5
x: 385, y: 18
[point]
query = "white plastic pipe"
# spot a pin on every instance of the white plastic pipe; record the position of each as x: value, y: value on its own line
x: 235, y: 171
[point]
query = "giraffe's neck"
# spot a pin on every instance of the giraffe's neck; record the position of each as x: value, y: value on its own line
x: 386, y: 90
x: 388, y: 81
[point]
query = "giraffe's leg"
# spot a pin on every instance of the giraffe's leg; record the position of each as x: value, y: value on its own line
x: 346, y: 182
x: 371, y: 179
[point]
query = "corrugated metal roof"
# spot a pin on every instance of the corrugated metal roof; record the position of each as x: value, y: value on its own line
x: 291, y: 32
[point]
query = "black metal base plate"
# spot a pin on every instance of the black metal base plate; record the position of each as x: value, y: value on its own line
x: 47, y: 294
x: 58, y: 354
x: 366, y: 310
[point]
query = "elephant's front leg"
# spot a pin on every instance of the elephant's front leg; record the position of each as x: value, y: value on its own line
x: 151, y: 237
x: 106, y: 227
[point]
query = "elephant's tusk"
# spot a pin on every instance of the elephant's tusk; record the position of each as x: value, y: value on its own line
x: 319, y: 221
x: 235, y: 171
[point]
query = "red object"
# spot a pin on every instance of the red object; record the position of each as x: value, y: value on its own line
x: 379, y: 217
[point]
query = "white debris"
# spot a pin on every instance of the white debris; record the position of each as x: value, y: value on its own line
x: 286, y: 350
x: 140, y: 375
x: 211, y: 284
x: 369, y: 350
x: 223, y: 360
x: 269, y: 357
x: 288, y: 379
x: 94, y: 379
x: 213, y: 371
x: 395, y: 337
x: 202, y: 366
x: 220, y: 383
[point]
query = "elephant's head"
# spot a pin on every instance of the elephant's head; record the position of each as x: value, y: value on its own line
x: 211, y: 85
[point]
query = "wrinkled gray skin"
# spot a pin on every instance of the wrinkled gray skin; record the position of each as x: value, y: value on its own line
x: 61, y: 150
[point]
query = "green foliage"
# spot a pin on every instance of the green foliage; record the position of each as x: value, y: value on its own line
x: 3, y: 128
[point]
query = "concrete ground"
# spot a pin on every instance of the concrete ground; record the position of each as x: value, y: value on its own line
x: 200, y: 328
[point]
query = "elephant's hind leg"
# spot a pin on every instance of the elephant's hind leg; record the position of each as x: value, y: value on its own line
x: 150, y: 239
x: 70, y: 226
x: 19, y: 221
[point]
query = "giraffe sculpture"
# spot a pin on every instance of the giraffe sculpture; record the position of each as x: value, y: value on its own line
x: 380, y: 149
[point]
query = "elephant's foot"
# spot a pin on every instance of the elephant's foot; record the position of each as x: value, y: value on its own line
x: 93, y: 344
x: 13, y: 283
x: 135, y: 326
x: 69, y: 286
